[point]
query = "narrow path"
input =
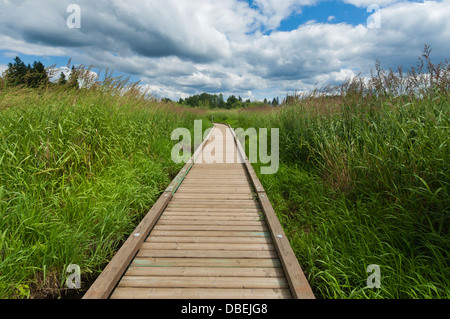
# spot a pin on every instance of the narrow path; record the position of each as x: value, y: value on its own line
x: 211, y: 238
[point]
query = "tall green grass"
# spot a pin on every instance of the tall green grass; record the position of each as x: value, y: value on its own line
x: 364, y: 179
x: 78, y: 170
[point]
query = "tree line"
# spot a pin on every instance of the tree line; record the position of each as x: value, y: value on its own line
x: 36, y: 75
x: 214, y: 101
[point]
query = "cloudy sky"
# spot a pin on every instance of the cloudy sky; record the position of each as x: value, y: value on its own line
x: 251, y: 48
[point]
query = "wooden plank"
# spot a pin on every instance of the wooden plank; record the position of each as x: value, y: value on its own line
x: 206, y: 262
x: 177, y: 253
x: 196, y: 293
x: 206, y: 271
x: 222, y: 188
x: 212, y: 205
x: 218, y: 208
x: 218, y: 182
x: 219, y: 168
x: 226, y: 196
x: 208, y: 175
x: 217, y: 217
x: 213, y: 210
x: 208, y: 190
x: 224, y: 178
x: 110, y: 276
x: 215, y: 205
x: 203, y: 282
x: 207, y: 246
x: 213, y: 215
x: 225, y: 174
x: 211, y: 228
x: 215, y: 201
x: 209, y: 222
x: 205, y: 233
x: 210, y: 239
x: 200, y: 182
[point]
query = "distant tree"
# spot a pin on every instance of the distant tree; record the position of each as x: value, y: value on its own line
x: 213, y: 101
x: 265, y: 101
x: 20, y: 74
x: 290, y: 99
x: 62, y: 79
x: 180, y: 101
x: 205, y: 100
x: 222, y: 103
x: 231, y: 102
x: 16, y: 72
x: 275, y: 102
x: 73, y: 79
x: 36, y: 75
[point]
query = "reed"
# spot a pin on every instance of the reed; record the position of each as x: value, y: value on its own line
x: 364, y: 179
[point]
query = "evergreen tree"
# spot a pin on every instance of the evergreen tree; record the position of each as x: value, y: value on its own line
x: 33, y: 76
x: 275, y: 102
x: 36, y: 75
x: 222, y: 103
x: 16, y: 72
x: 73, y: 79
x: 62, y: 79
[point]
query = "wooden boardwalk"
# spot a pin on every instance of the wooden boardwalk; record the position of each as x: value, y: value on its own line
x: 213, y: 234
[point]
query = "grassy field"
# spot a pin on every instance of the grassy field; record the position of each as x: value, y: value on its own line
x: 78, y: 170
x: 364, y: 179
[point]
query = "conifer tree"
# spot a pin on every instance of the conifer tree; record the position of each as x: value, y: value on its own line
x: 62, y: 79
x: 73, y: 79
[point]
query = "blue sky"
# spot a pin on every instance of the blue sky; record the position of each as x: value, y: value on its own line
x: 326, y: 12
x: 253, y: 48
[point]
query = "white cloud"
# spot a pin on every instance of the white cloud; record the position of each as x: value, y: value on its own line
x: 275, y: 11
x: 24, y: 47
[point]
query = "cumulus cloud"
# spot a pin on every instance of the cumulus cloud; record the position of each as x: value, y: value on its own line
x: 274, y: 11
x: 179, y: 47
